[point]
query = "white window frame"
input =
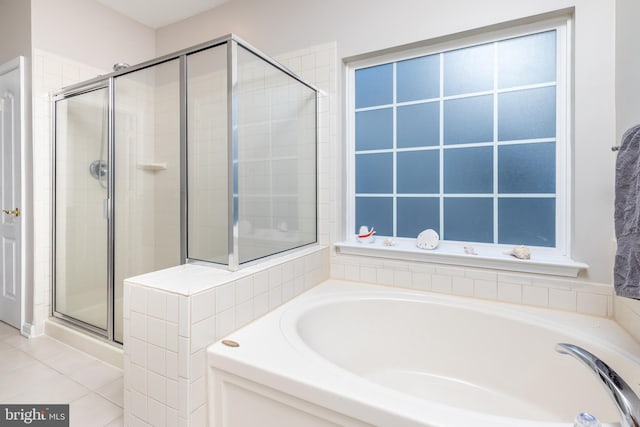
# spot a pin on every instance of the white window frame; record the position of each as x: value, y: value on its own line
x: 556, y: 260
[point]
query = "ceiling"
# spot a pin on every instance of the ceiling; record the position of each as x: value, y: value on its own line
x: 158, y: 13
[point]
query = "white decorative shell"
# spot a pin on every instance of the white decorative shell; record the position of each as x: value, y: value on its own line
x: 389, y: 242
x: 521, y: 252
x: 428, y: 239
x: 469, y: 250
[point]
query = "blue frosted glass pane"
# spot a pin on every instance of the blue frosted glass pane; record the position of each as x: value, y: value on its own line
x: 527, y: 114
x: 376, y: 212
x: 527, y: 221
x: 468, y: 120
x: 374, y: 86
x: 418, y: 125
x: 374, y: 173
x: 419, y: 172
x: 418, y: 78
x: 468, y: 170
x: 374, y: 129
x: 468, y: 70
x: 527, y: 60
x: 417, y: 214
x: 468, y: 219
x: 527, y: 168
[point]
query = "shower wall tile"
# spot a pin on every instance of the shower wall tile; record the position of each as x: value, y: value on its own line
x: 319, y: 65
x: 165, y: 361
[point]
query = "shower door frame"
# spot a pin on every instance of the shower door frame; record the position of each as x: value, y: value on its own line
x: 232, y: 43
x: 89, y: 87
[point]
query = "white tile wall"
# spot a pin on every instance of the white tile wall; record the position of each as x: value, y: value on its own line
x: 165, y: 356
x: 528, y: 289
x: 319, y: 66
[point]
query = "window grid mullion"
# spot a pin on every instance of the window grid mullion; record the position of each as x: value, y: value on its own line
x: 458, y: 96
x: 495, y: 142
x: 394, y: 220
x: 441, y: 142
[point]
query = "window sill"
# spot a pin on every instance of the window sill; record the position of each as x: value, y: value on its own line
x: 542, y: 261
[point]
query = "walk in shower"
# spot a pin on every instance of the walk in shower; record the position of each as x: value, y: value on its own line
x: 205, y: 155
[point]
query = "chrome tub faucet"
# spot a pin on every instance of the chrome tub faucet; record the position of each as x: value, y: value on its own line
x: 626, y: 400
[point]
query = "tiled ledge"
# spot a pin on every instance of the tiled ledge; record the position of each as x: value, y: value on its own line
x: 171, y: 316
x: 566, y: 294
x: 489, y: 256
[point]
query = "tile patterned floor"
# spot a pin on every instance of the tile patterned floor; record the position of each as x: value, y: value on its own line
x: 44, y: 371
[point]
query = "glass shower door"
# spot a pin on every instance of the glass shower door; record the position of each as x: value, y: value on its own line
x: 81, y: 240
x: 147, y: 160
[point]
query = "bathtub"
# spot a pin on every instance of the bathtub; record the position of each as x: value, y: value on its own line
x: 353, y: 354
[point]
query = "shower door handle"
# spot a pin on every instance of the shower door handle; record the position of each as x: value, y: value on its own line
x: 14, y: 212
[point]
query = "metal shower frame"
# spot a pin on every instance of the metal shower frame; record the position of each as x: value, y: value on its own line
x: 107, y: 81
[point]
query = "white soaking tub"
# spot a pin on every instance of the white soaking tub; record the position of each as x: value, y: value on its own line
x: 353, y: 354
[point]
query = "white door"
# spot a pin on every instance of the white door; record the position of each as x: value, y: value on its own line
x: 10, y: 185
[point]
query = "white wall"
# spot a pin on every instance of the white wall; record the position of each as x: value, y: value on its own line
x: 15, y: 29
x: 362, y: 26
x: 627, y: 311
x: 87, y: 32
x: 358, y: 26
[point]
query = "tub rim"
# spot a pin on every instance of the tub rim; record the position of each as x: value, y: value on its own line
x: 292, y: 374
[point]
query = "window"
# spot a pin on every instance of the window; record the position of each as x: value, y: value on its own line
x: 469, y: 140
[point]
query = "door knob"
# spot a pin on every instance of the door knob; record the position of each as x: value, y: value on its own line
x: 14, y: 212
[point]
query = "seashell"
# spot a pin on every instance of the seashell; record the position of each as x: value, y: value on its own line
x: 469, y: 250
x: 521, y: 252
x: 428, y: 239
x: 389, y: 242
